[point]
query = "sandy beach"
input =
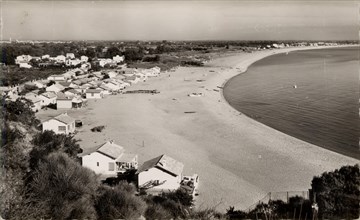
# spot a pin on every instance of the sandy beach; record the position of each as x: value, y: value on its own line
x: 238, y: 159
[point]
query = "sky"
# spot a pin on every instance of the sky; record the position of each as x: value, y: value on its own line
x: 180, y: 20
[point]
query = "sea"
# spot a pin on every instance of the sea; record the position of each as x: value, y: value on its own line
x: 312, y: 95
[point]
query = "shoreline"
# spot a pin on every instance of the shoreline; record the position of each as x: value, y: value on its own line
x: 287, y: 50
x: 238, y: 159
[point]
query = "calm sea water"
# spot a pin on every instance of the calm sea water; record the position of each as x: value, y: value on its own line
x: 312, y: 95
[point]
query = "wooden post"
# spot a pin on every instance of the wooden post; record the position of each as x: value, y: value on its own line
x: 294, y: 214
x: 300, y: 210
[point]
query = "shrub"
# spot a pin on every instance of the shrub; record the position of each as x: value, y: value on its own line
x: 119, y: 202
x: 62, y: 189
x: 19, y: 111
x: 48, y: 142
x: 338, y: 193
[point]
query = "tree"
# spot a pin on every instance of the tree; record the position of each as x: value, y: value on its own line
x: 337, y: 193
x: 19, y: 111
x: 62, y: 189
x: 177, y: 203
x: 111, y: 52
x: 48, y: 142
x: 119, y: 202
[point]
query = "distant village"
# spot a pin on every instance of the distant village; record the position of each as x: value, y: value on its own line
x: 73, y: 89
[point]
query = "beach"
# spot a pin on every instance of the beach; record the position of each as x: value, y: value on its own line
x: 238, y: 159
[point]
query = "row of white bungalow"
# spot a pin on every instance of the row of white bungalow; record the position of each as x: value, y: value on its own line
x: 73, y: 88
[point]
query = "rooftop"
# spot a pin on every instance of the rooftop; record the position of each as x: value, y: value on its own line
x: 111, y: 149
x: 64, y: 118
x: 163, y: 162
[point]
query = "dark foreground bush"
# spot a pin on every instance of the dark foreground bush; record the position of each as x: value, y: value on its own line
x: 62, y: 189
x: 119, y: 202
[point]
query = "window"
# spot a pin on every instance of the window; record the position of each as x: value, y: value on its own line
x: 97, y: 163
x: 111, y: 166
x: 62, y: 128
x: 92, y: 94
x: 68, y: 127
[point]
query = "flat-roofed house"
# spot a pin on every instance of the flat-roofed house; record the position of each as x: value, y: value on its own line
x: 109, y: 159
x: 57, y: 78
x: 160, y: 173
x: 94, y: 94
x: 61, y: 124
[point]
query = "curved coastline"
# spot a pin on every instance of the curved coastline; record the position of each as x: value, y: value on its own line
x: 238, y: 159
x: 277, y: 53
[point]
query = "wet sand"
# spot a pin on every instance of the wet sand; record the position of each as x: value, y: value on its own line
x: 238, y: 159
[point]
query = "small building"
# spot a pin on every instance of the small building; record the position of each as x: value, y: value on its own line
x: 77, y: 102
x: 25, y: 65
x: 61, y: 124
x: 36, y: 102
x: 84, y: 59
x: 72, y: 93
x: 40, y: 84
x: 60, y: 59
x: 46, y: 56
x: 160, y: 173
x: 109, y: 159
x: 23, y: 59
x: 70, y: 56
x: 55, y: 88
x: 118, y: 59
x: 56, y: 78
x: 94, y: 94
x: 63, y: 102
x: 48, y: 98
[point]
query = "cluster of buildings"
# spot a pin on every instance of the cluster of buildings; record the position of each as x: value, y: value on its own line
x: 68, y: 60
x: 73, y: 88
x: 109, y: 159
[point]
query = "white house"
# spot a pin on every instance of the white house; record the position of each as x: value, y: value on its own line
x: 63, y: 102
x: 46, y: 56
x: 85, y: 66
x: 60, y: 59
x: 109, y: 159
x: 61, y: 124
x: 70, y: 56
x: 69, y: 74
x: 84, y: 59
x: 112, y: 74
x: 25, y: 65
x: 160, y: 173
x: 55, y: 88
x: 72, y: 93
x: 23, y: 59
x: 48, y: 98
x: 40, y: 84
x: 72, y: 62
x: 118, y: 59
x: 56, y: 78
x: 94, y: 94
x: 36, y: 102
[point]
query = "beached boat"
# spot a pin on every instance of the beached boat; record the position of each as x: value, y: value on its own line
x: 196, y: 94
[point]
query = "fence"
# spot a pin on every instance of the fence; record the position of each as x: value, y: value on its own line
x: 283, y: 196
